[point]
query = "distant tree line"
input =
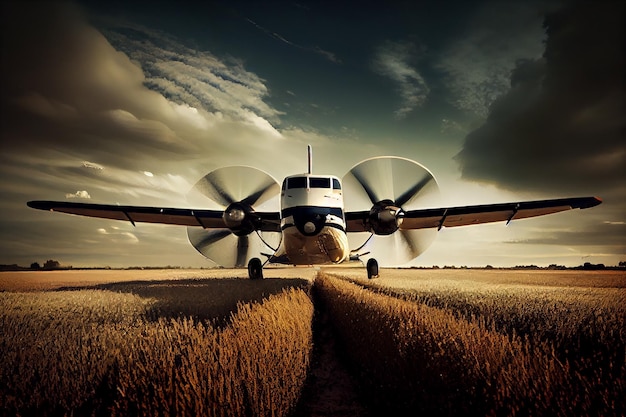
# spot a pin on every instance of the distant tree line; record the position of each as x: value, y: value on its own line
x: 51, y: 265
x: 553, y: 267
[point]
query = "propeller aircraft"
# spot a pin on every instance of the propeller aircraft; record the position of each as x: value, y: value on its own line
x: 379, y: 204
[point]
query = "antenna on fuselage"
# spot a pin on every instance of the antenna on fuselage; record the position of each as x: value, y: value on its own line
x: 310, y: 152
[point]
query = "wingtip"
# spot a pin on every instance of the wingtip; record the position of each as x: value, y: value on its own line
x: 591, y: 202
x: 39, y: 205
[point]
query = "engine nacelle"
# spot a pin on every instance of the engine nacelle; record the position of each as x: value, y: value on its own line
x: 240, y: 219
x: 385, y: 217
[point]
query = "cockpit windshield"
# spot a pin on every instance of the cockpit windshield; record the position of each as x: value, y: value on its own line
x: 311, y: 182
x: 315, y: 182
x: 296, y: 182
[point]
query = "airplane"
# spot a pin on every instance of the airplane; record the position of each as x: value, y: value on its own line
x: 385, y: 203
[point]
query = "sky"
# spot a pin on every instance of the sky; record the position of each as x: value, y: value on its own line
x: 133, y: 102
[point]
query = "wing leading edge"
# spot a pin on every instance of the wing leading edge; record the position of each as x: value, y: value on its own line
x: 208, y: 219
x: 469, y: 215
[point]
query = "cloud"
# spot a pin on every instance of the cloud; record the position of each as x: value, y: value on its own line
x: 78, y: 194
x: 135, y: 101
x: 478, y: 64
x: 393, y: 60
x: 192, y: 77
x: 92, y: 165
x: 330, y: 56
x: 560, y: 128
x: 115, y: 235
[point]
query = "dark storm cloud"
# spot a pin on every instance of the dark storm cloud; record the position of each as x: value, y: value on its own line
x: 561, y: 125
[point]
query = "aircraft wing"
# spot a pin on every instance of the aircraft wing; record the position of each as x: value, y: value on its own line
x: 468, y: 215
x: 208, y: 219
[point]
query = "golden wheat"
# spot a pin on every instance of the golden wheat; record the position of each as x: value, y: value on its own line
x: 93, y: 352
x: 587, y: 313
x: 422, y: 357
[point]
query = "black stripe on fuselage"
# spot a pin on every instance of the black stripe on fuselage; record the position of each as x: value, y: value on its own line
x: 333, y: 225
x: 335, y: 211
x: 310, y: 220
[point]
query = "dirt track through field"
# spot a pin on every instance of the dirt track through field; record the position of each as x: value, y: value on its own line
x: 330, y: 389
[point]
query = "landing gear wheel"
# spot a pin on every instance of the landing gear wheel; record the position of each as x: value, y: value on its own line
x: 372, y: 268
x: 255, y: 269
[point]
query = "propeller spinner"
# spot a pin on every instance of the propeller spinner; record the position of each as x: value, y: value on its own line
x: 388, y: 187
x: 236, y: 190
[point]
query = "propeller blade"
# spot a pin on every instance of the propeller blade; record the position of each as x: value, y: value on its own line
x: 242, y: 251
x: 209, y: 186
x: 202, y: 239
x: 264, y: 193
x: 361, y: 177
x: 229, y: 250
x: 228, y: 185
x: 410, y: 244
x: 412, y: 192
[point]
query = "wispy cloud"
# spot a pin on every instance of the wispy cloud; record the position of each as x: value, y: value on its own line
x: 192, y: 77
x: 330, y: 56
x: 393, y: 60
x: 115, y: 235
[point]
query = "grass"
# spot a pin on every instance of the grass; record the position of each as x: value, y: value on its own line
x: 460, y: 349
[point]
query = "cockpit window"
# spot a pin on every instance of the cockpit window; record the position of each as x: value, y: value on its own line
x: 336, y: 185
x: 319, y: 182
x: 296, y: 182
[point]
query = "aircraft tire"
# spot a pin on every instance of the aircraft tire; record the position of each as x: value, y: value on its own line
x: 372, y: 268
x: 255, y: 269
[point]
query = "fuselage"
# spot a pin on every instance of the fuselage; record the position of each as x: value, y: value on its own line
x: 312, y: 220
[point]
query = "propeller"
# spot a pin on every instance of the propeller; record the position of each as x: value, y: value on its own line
x: 388, y: 187
x: 237, y: 190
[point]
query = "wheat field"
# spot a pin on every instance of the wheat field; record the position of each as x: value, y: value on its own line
x: 157, y: 348
x: 212, y: 343
x: 485, y: 342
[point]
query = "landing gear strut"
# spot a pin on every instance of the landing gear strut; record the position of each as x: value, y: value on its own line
x: 372, y: 268
x: 255, y: 269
